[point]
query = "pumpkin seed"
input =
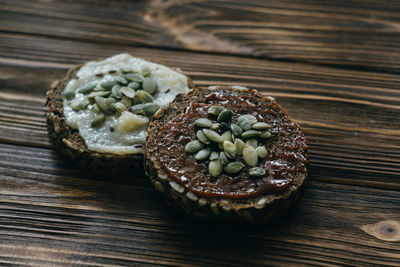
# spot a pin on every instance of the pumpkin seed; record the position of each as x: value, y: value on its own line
x: 226, y: 136
x: 223, y: 158
x: 146, y: 71
x: 98, y: 93
x: 256, y: 172
x: 250, y: 155
x: 215, y: 110
x: 115, y: 91
x: 119, y: 107
x: 250, y: 133
x: 244, y: 123
x: 98, y: 88
x: 251, y: 118
x: 105, y: 104
x: 230, y: 149
x: 86, y: 89
x: 212, y: 135
x: 265, y: 135
x: 98, y: 121
x: 215, y: 167
x: 144, y: 97
x: 236, y: 129
x: 96, y: 109
x: 133, y: 85
x: 239, y: 146
x: 202, y: 137
x: 214, y: 126
x: 225, y: 115
x: 203, y: 154
x: 193, y: 146
x: 234, y: 167
x: 121, y: 80
x: 260, y: 126
x: 213, y: 155
x: 68, y: 94
x: 252, y: 142
x: 108, y: 85
x: 133, y: 77
x: 79, y: 104
x: 147, y: 109
x: 129, y: 92
x: 203, y: 122
x: 262, y: 152
x: 126, y: 101
x: 223, y: 126
x: 149, y: 86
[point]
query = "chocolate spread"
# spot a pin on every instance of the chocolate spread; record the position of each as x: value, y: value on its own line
x: 286, y: 149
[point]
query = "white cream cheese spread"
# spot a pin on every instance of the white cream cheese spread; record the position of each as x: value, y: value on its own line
x: 123, y: 133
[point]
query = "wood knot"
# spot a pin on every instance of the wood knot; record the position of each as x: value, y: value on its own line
x: 388, y: 230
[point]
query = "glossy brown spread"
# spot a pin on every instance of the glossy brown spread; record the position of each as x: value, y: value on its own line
x: 286, y: 149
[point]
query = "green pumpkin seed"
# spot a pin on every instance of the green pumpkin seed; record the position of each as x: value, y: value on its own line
x: 260, y: 126
x: 98, y: 93
x: 147, y: 109
x: 202, y: 137
x: 98, y: 121
x: 244, y: 123
x: 146, y: 71
x: 265, y: 135
x: 126, y: 101
x: 68, y: 94
x: 203, y: 154
x: 115, y: 91
x: 234, y: 167
x: 225, y: 115
x: 223, y: 158
x: 230, y: 149
x: 213, y: 135
x: 250, y: 155
x: 256, y: 172
x: 252, y: 142
x: 106, y: 105
x: 203, y: 122
x: 236, y: 129
x: 149, y: 86
x: 239, y: 146
x: 213, y: 155
x: 96, y: 109
x: 133, y: 85
x: 133, y: 77
x: 129, y: 92
x: 86, y: 89
x: 108, y: 85
x: 144, y: 97
x: 215, y: 110
x: 119, y: 107
x: 214, y: 126
x: 193, y: 146
x: 251, y: 118
x: 262, y: 152
x: 223, y: 126
x: 226, y: 136
x: 250, y: 133
x: 79, y: 104
x: 121, y: 80
x: 215, y: 167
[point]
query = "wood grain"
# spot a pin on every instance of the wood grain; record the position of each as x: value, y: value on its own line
x: 355, y: 34
x: 124, y: 222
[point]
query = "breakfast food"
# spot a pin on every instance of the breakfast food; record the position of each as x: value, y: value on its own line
x: 99, y: 113
x: 226, y: 154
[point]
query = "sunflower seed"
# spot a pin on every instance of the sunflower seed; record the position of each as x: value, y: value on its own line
x: 234, y: 167
x: 129, y: 92
x: 203, y: 154
x: 203, y: 122
x: 133, y: 77
x: 214, y: 126
x: 225, y: 115
x: 98, y: 93
x: 98, y: 121
x: 146, y: 71
x: 215, y: 110
x: 193, y: 146
x: 230, y: 149
x: 223, y: 126
x: 121, y: 80
x: 236, y: 129
x: 252, y: 142
x: 223, y: 158
x: 202, y: 137
x: 68, y: 94
x: 144, y: 97
x: 249, y: 134
x: 250, y: 155
x: 108, y: 85
x: 213, y: 155
x: 79, y: 104
x: 265, y: 135
x: 149, y: 86
x: 133, y: 85
x: 262, y: 152
x: 239, y: 146
x: 212, y: 135
x: 215, y: 167
x: 86, y: 88
x: 256, y: 172
x: 260, y: 126
x: 244, y: 123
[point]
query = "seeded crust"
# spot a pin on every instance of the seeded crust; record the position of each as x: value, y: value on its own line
x: 257, y: 210
x: 72, y: 145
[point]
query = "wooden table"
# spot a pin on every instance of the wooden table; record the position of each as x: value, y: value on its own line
x: 335, y: 66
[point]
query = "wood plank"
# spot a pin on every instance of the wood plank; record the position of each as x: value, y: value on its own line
x: 350, y: 118
x: 45, y: 205
x: 356, y: 34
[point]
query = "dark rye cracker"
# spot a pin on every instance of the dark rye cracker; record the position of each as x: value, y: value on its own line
x: 72, y: 145
x: 255, y: 209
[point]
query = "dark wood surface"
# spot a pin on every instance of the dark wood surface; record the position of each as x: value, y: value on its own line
x: 335, y: 66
